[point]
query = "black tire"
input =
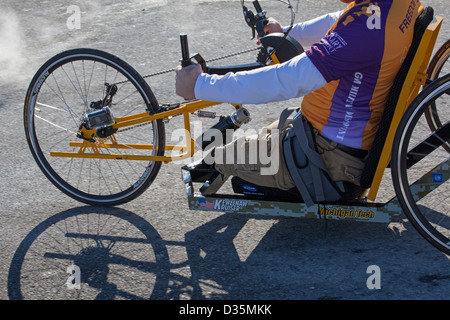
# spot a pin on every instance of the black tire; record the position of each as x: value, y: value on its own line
x: 420, y: 165
x: 57, y: 100
x: 437, y: 67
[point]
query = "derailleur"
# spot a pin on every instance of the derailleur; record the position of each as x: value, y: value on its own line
x: 111, y: 90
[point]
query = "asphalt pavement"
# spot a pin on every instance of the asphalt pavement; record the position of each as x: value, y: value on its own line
x: 155, y: 247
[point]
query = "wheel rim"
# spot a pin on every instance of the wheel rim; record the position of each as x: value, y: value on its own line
x: 424, y: 188
x: 60, y: 99
x: 437, y: 68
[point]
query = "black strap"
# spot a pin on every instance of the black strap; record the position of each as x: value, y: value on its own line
x: 289, y: 158
x: 284, y: 116
x: 303, y: 132
x: 304, y: 135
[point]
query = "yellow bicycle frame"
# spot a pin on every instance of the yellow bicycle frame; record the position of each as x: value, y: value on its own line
x: 415, y: 79
x: 186, y: 151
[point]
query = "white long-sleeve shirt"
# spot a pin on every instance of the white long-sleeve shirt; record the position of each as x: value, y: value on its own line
x: 312, y: 31
x: 294, y: 78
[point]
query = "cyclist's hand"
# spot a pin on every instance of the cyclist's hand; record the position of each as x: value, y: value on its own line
x: 185, y: 80
x: 272, y: 26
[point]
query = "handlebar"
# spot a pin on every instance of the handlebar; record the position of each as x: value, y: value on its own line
x: 255, y: 21
x: 257, y: 6
x: 186, y: 57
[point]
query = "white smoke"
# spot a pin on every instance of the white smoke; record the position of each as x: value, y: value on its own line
x: 12, y: 60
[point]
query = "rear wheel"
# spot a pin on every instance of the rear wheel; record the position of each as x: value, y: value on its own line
x: 438, y: 65
x: 421, y: 164
x: 437, y: 68
x: 82, y: 84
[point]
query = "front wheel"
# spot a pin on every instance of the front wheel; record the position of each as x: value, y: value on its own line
x: 421, y: 164
x: 87, y: 85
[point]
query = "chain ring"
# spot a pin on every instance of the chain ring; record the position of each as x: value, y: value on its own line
x: 263, y: 56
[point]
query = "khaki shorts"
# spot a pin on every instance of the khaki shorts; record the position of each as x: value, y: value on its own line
x: 248, y: 164
x: 341, y: 165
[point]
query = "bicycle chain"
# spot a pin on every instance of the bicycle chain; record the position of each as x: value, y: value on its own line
x: 134, y: 127
x: 172, y: 70
x: 210, y: 60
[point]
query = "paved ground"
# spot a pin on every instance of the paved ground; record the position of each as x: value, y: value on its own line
x: 162, y: 250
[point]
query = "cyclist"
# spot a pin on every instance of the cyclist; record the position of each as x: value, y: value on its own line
x: 344, y: 79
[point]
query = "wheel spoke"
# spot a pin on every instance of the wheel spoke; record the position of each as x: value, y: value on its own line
x: 79, y: 78
x: 423, y: 188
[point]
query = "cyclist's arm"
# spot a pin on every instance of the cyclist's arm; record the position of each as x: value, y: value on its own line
x: 312, y: 31
x: 294, y: 78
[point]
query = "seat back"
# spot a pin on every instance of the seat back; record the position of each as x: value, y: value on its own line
x: 407, y: 83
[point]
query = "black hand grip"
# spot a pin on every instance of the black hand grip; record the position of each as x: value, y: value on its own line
x: 185, y: 59
x: 257, y: 6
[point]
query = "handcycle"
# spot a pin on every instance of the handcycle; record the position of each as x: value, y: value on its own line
x: 89, y: 118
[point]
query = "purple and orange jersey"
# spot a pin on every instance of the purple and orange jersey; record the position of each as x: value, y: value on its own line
x: 359, y: 57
